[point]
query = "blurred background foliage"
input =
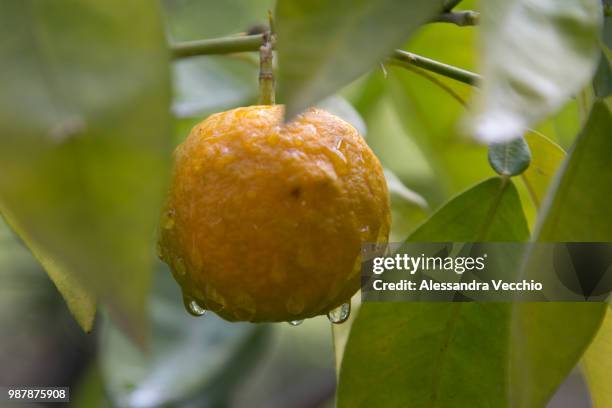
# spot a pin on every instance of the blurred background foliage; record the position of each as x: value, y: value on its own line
x: 411, y: 123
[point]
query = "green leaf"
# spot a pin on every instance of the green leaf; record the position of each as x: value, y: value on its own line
x: 323, y: 45
x: 80, y: 301
x: 438, y: 354
x: 490, y: 211
x: 548, y: 341
x: 510, y: 158
x: 189, y: 359
x: 546, y: 158
x: 607, y: 30
x: 535, y: 56
x: 578, y: 209
x: 597, y: 365
x: 579, y: 206
x: 602, y: 81
x: 85, y: 137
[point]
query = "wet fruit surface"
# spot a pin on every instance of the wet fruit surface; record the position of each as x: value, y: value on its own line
x: 264, y: 221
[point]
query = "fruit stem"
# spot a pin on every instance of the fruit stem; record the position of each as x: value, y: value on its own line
x: 266, y: 71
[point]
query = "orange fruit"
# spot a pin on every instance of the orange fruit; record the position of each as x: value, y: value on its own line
x: 265, y: 220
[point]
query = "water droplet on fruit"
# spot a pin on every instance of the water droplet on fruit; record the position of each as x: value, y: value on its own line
x: 340, y: 314
x: 338, y: 153
x: 295, y: 322
x: 364, y: 231
x: 193, y: 307
x: 339, y: 142
x: 337, y: 158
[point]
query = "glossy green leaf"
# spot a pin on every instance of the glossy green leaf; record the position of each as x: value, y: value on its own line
x: 323, y: 45
x: 84, y: 141
x: 438, y: 354
x: 535, y: 56
x: 597, y: 365
x: 546, y: 158
x: 190, y: 360
x: 510, y: 158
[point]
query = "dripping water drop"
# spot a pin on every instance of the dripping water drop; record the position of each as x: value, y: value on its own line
x: 340, y: 314
x: 193, y: 307
x: 295, y: 322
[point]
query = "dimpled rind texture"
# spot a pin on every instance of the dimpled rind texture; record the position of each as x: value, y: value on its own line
x: 264, y: 221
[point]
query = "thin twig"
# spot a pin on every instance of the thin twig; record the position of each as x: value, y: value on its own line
x: 236, y: 44
x: 218, y: 46
x: 460, y: 18
x: 405, y: 58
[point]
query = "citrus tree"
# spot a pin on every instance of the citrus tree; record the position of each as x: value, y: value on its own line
x: 473, y: 122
